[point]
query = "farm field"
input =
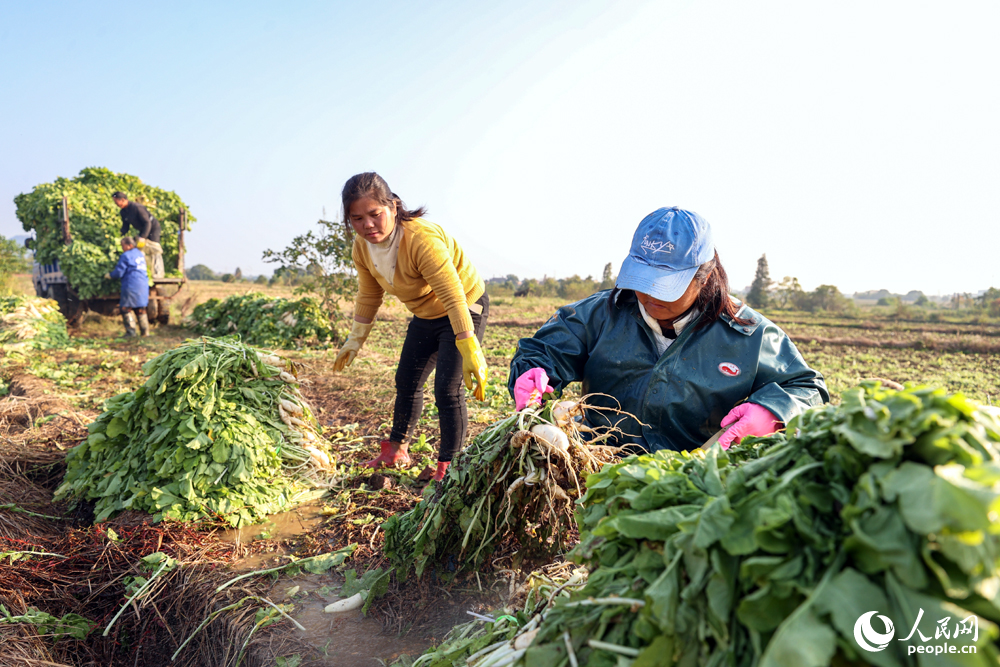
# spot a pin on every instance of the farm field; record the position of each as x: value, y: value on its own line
x: 51, y: 396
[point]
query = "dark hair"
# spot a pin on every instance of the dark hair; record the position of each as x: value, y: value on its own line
x: 119, y: 195
x: 713, y: 300
x: 373, y: 186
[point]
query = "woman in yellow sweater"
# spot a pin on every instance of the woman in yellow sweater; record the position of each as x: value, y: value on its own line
x: 397, y: 252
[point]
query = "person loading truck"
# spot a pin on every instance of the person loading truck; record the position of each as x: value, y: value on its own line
x: 131, y: 270
x: 147, y: 240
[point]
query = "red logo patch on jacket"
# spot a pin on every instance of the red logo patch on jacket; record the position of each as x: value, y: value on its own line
x: 729, y: 369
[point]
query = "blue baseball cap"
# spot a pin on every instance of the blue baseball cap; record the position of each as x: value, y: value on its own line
x: 668, y: 247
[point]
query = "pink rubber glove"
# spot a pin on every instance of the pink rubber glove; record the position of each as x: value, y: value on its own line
x: 747, y: 419
x: 528, y: 388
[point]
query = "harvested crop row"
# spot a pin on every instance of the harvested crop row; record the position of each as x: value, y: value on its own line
x: 31, y: 322
x: 265, y: 321
x: 219, y: 430
x: 769, y: 554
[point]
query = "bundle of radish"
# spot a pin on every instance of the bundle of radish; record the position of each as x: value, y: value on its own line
x: 773, y: 553
x: 519, y: 478
x: 218, y: 430
x: 27, y: 322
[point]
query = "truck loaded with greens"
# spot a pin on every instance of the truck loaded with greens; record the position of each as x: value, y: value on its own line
x: 77, y: 226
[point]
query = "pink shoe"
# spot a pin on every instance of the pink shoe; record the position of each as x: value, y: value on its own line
x: 442, y: 468
x: 391, y: 455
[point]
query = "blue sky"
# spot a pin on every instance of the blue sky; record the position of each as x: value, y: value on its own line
x: 856, y: 143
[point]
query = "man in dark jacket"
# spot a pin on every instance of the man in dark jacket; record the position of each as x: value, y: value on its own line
x: 148, y: 228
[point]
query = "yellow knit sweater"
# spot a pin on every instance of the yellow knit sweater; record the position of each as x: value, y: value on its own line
x: 433, y: 277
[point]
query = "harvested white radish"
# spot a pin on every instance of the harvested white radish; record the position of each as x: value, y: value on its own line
x: 551, y: 435
x: 524, y: 641
x: 318, y: 456
x: 562, y: 412
x: 347, y: 604
x: 271, y: 359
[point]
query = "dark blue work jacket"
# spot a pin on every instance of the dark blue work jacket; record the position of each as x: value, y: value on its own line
x: 682, y: 395
x: 131, y: 268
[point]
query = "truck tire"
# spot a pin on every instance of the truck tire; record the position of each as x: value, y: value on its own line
x: 70, y: 306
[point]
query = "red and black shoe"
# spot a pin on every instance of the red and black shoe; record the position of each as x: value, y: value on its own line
x: 392, y: 455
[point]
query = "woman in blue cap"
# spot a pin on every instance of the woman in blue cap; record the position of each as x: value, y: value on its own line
x: 670, y: 346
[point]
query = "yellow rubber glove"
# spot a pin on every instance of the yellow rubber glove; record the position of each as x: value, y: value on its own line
x: 349, y: 350
x: 141, y: 243
x: 473, y: 365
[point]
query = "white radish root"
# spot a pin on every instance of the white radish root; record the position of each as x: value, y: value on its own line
x: 551, y: 435
x: 356, y: 601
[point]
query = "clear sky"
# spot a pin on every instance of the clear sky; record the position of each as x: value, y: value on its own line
x: 856, y: 143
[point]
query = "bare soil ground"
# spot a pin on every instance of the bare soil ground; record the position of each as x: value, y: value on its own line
x: 49, y: 398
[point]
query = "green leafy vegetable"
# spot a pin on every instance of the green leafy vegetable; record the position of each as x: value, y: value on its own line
x: 70, y: 625
x: 263, y: 320
x: 219, y: 429
x: 768, y: 553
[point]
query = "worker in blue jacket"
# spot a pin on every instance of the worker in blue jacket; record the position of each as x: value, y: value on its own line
x: 131, y: 268
x: 671, y: 347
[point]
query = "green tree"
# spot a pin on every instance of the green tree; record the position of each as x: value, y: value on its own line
x: 987, y: 298
x: 575, y: 288
x: 261, y: 280
x: 12, y: 260
x: 201, y: 272
x: 824, y: 297
x: 227, y: 277
x: 786, y: 291
x: 759, y: 294
x: 238, y: 274
x: 322, y: 261
x: 608, y: 277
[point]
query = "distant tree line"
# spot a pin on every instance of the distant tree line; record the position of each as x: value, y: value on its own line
x: 202, y: 272
x: 788, y: 294
x: 573, y: 288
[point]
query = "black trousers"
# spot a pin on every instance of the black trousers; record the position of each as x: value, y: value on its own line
x: 430, y: 345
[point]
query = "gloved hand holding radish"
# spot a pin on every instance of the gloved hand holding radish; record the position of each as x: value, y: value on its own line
x: 747, y: 419
x: 669, y: 353
x: 396, y: 251
x: 530, y: 387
